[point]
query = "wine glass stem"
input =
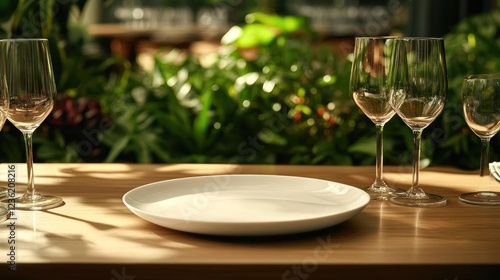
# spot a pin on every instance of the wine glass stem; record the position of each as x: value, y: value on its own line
x: 417, y: 141
x: 30, y: 191
x: 485, y: 154
x: 380, y: 154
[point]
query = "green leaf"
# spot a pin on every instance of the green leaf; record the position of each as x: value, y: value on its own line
x: 304, y: 109
x: 202, y: 121
x: 270, y: 137
x: 7, y: 9
x: 117, y: 149
x: 254, y: 35
x: 144, y: 155
x: 283, y: 23
x: 161, y: 152
x: 365, y: 146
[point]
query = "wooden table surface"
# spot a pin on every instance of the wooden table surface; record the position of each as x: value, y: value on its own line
x: 94, y: 235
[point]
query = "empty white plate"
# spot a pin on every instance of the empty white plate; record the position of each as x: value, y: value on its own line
x: 246, y: 205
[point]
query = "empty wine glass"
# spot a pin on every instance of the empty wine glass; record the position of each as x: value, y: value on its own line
x: 418, y: 94
x: 3, y: 190
x: 368, y: 85
x: 481, y: 106
x: 4, y: 213
x: 29, y: 95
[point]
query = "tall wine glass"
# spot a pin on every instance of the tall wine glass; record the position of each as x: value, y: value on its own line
x: 4, y: 213
x: 368, y: 85
x: 418, y: 94
x: 481, y: 106
x: 30, y: 95
x: 3, y: 190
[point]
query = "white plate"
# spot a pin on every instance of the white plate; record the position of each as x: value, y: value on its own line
x: 246, y: 205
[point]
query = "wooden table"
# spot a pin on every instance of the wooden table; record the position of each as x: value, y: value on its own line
x: 94, y: 236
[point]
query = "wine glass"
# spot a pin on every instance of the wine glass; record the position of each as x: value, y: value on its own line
x: 481, y: 106
x: 368, y: 85
x: 418, y: 93
x: 4, y: 213
x: 30, y: 92
x: 3, y: 190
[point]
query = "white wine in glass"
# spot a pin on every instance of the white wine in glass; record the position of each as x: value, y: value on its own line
x: 368, y: 85
x: 481, y: 107
x: 418, y: 94
x: 29, y: 95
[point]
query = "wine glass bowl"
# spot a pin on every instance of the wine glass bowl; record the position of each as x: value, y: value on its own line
x: 28, y: 113
x: 27, y: 98
x: 418, y: 81
x: 481, y: 107
x: 369, y: 89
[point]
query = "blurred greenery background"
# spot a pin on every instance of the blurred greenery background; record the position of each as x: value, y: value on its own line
x: 274, y: 91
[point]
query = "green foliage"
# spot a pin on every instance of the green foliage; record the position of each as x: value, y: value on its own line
x: 81, y: 78
x: 288, y: 102
x: 274, y: 105
x: 272, y: 94
x: 471, y: 48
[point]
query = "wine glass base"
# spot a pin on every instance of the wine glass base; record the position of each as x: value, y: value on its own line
x: 418, y: 200
x: 4, y: 214
x: 382, y: 193
x: 36, y: 202
x: 481, y: 198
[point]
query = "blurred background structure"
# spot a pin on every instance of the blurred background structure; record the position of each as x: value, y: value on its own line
x: 132, y: 25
